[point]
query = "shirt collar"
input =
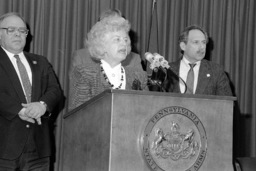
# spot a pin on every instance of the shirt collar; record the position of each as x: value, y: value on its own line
x: 186, y: 62
x: 108, y: 68
x: 11, y: 55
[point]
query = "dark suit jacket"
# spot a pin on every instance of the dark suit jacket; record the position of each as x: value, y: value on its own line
x: 212, y: 80
x: 14, y: 131
x: 87, y: 81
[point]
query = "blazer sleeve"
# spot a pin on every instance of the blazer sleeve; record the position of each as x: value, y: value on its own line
x: 49, y: 88
x: 79, y: 87
x: 223, y: 85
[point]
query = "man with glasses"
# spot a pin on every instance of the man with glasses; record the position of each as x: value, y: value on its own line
x: 29, y: 91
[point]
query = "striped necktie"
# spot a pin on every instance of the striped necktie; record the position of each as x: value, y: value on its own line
x: 24, y: 77
x: 190, y: 79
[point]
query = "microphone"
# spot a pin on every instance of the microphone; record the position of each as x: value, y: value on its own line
x: 156, y: 61
x: 159, y: 67
x: 149, y: 57
x: 171, y: 77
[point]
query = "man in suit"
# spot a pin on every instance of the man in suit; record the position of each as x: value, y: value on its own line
x: 29, y: 91
x: 208, y: 78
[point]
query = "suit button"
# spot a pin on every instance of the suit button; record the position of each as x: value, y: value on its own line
x: 27, y: 126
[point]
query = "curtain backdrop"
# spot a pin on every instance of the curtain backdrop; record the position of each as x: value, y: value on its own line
x: 58, y: 28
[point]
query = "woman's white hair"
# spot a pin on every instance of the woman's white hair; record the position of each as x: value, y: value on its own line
x: 96, y: 36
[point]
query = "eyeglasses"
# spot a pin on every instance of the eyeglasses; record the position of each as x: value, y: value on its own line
x: 12, y: 30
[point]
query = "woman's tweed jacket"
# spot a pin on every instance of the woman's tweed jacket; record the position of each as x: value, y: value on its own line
x: 87, y: 81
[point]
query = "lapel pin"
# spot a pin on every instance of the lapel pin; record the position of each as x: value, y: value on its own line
x: 208, y: 75
x: 34, y: 62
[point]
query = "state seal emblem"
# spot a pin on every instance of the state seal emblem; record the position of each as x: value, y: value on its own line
x: 174, y: 139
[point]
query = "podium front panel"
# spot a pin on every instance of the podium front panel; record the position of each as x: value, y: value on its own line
x: 119, y: 132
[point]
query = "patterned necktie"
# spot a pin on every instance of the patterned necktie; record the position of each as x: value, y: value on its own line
x: 190, y: 80
x: 24, y: 77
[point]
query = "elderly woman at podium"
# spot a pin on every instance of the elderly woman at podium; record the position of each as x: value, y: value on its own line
x: 110, y: 63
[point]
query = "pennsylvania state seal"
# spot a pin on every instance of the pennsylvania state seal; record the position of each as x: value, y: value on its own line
x: 174, y: 139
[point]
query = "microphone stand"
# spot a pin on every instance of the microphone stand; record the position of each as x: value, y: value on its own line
x: 178, y: 77
x: 158, y: 77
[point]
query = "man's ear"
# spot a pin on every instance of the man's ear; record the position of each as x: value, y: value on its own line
x: 182, y: 46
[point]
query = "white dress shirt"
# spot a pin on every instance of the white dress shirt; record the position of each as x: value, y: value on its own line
x: 114, y: 74
x: 25, y: 63
x: 184, y: 68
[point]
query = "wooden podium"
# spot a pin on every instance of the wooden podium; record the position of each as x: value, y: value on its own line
x: 121, y: 130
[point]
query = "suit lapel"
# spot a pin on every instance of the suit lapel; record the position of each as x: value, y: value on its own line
x: 128, y: 77
x: 203, y: 77
x: 176, y: 69
x: 11, y: 72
